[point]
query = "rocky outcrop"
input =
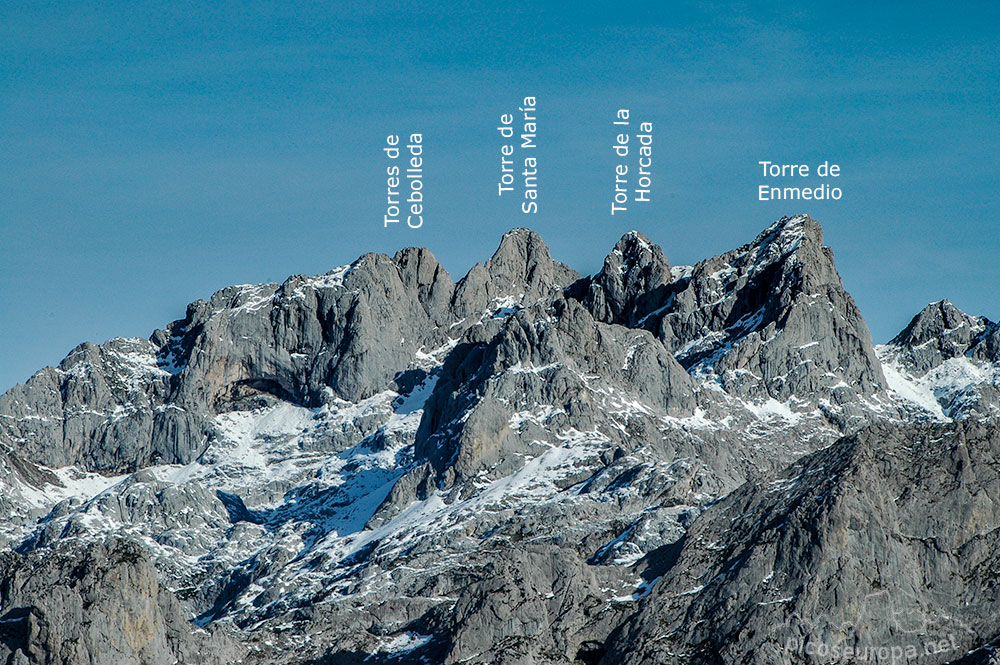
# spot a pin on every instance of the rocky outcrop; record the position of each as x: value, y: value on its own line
x: 420, y: 270
x: 633, y: 282
x: 941, y: 332
x: 555, y: 357
x: 768, y: 320
x: 772, y: 318
x: 87, y: 407
x: 348, y: 331
x: 98, y: 604
x: 520, y: 272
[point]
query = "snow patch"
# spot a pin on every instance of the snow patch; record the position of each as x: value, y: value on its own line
x: 771, y: 409
x: 331, y: 280
x: 404, y: 643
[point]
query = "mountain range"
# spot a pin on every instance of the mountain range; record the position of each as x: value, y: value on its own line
x: 708, y: 464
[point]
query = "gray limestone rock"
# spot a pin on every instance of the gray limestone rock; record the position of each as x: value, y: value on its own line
x: 634, y: 281
x: 770, y: 319
x: 552, y: 357
x: 98, y: 604
x: 85, y: 409
x: 885, y: 539
x: 520, y: 271
x: 940, y: 332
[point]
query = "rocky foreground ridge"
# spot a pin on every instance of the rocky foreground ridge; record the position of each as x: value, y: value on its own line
x: 653, y: 464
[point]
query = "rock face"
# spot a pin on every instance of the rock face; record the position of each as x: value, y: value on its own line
x: 772, y: 319
x: 520, y: 271
x: 349, y: 331
x: 540, y: 358
x: 101, y: 603
x: 384, y: 465
x: 887, y: 540
x: 84, y: 409
x: 634, y: 281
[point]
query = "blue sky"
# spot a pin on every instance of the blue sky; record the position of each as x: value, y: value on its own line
x: 155, y: 152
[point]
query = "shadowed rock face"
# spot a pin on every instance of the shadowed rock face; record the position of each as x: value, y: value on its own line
x: 770, y: 319
x: 634, y: 281
x: 781, y: 323
x: 380, y: 464
x: 540, y: 356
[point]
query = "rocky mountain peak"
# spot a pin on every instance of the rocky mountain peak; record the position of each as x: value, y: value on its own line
x: 520, y: 271
x: 945, y: 326
x: 635, y: 248
x: 785, y: 233
x: 942, y: 331
x: 522, y: 261
x: 946, y: 362
x: 770, y: 319
x: 631, y: 283
x: 419, y: 269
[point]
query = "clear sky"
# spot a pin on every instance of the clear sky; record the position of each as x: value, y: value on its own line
x: 152, y: 153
